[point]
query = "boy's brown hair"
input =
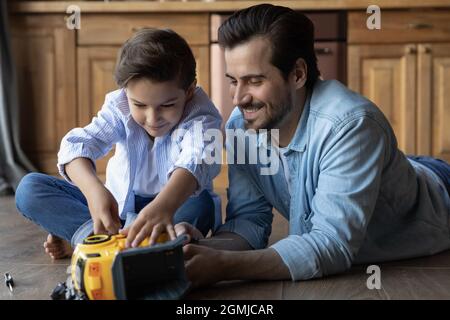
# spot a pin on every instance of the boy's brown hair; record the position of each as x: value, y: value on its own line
x: 156, y: 54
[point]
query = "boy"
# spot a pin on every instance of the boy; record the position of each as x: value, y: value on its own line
x: 154, y: 171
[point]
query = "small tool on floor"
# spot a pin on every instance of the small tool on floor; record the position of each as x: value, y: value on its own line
x: 9, y: 282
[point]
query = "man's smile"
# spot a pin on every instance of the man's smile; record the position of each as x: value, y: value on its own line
x: 252, y: 112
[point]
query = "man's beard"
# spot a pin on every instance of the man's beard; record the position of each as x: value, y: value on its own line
x: 274, y: 118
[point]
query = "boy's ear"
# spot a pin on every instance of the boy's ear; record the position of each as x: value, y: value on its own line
x: 190, y: 90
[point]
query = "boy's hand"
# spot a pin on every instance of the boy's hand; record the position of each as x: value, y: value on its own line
x: 102, y: 205
x: 151, y: 222
x: 156, y: 217
x: 104, y: 211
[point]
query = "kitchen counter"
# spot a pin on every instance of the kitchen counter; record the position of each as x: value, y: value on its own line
x: 213, y: 6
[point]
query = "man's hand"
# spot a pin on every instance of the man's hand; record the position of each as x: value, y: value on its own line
x: 104, y: 211
x: 228, y: 256
x: 204, y: 266
x: 151, y: 222
x: 197, y: 258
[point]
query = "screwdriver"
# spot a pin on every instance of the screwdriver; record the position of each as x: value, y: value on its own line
x: 9, y: 282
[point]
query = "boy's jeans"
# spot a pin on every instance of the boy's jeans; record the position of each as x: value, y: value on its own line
x: 60, y: 208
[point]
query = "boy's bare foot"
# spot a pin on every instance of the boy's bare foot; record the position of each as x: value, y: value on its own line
x: 57, y: 248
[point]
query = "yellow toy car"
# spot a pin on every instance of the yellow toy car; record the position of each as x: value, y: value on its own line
x: 102, y: 269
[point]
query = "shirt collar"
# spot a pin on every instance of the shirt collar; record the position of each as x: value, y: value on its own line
x: 299, y: 140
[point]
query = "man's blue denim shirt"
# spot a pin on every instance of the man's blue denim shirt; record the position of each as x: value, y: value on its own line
x: 355, y: 197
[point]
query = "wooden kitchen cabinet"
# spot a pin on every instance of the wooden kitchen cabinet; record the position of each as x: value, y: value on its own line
x: 63, y: 75
x: 201, y: 55
x: 434, y: 100
x: 116, y: 28
x: 386, y: 74
x: 44, y: 53
x: 406, y: 77
x: 95, y: 79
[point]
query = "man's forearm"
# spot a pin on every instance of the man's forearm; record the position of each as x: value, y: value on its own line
x: 226, y: 241
x: 264, y: 264
x: 240, y: 262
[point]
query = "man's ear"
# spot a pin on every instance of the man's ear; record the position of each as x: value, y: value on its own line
x: 190, y: 90
x: 300, y: 73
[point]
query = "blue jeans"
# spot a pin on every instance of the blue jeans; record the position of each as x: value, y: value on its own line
x: 61, y: 208
x: 438, y: 166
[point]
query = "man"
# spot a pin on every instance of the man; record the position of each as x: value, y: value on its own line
x: 349, y: 194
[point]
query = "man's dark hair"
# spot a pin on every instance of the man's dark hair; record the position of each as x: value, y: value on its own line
x: 156, y: 54
x: 290, y: 33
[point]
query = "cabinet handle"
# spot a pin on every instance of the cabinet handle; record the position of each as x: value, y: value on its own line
x: 419, y: 25
x: 411, y: 50
x: 426, y: 49
x: 323, y: 51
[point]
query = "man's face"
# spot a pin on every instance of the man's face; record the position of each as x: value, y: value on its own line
x: 156, y: 106
x: 256, y: 86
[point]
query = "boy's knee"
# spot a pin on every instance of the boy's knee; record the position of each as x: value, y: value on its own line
x: 31, y: 181
x: 28, y: 189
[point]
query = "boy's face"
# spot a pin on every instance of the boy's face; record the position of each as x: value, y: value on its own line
x: 257, y: 87
x: 157, y: 106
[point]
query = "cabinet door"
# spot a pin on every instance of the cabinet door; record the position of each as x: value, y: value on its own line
x: 44, y: 53
x: 434, y: 100
x: 386, y: 74
x: 95, y: 79
x: 201, y: 55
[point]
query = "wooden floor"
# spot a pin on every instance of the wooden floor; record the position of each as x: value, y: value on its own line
x: 35, y: 275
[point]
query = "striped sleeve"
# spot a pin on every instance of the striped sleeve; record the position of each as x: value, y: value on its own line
x: 96, y: 139
x: 191, y: 149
